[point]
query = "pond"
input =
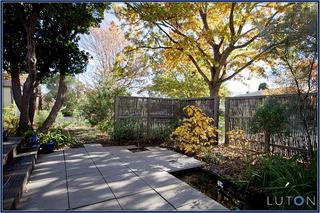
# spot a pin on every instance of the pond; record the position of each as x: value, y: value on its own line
x: 220, y: 190
x: 139, y: 149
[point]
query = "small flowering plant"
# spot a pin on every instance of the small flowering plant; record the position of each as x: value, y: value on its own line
x: 197, y: 132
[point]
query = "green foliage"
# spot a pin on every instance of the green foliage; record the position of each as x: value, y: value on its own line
x: 78, y: 118
x: 57, y: 47
x: 271, y: 117
x: 29, y: 134
x: 10, y: 120
x: 285, y: 177
x: 98, y: 106
x: 59, y: 137
x: 209, y: 156
x: 126, y: 130
x: 184, y: 83
x: 179, y: 84
x: 55, y: 37
x: 213, y: 157
x: 263, y: 86
x: 162, y: 133
x: 71, y: 101
x: 42, y: 115
x: 294, y: 62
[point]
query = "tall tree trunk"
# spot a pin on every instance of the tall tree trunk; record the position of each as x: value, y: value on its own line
x: 16, y: 85
x: 24, y: 122
x: 214, y: 90
x: 57, y: 105
x: 32, y: 105
x: 29, y: 24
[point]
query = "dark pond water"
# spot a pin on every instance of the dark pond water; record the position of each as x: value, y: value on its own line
x: 141, y: 149
x: 220, y: 190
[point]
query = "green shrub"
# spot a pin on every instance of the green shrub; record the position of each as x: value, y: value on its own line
x: 98, y: 106
x: 42, y: 115
x: 162, y: 133
x: 270, y: 117
x: 59, y: 137
x: 213, y: 157
x: 104, y: 126
x: 10, y: 121
x: 209, y: 157
x: 78, y: 118
x: 128, y: 129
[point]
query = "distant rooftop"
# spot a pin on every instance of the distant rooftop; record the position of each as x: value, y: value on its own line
x: 275, y: 91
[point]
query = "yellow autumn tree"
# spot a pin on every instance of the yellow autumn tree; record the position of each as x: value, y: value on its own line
x: 219, y: 40
x: 196, y: 133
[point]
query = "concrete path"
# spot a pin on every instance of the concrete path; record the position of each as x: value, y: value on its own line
x: 113, y: 178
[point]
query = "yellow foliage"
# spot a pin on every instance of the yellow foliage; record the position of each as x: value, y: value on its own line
x: 196, y: 133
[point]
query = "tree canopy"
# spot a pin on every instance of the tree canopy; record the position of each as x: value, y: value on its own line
x: 294, y: 62
x: 45, y: 42
x: 219, y: 40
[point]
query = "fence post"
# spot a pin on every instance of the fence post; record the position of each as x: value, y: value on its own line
x: 216, y: 115
x: 148, y: 118
x: 226, y: 120
x: 116, y: 108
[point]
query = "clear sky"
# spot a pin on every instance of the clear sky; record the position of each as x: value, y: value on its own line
x: 236, y: 87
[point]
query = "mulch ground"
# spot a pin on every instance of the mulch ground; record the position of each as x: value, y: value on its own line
x: 231, y: 162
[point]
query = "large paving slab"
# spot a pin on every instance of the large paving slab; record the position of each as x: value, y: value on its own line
x: 85, y: 190
x: 113, y: 178
x: 48, y: 194
x: 183, y: 195
x: 128, y: 186
x: 147, y: 200
x: 105, y: 205
x: 159, y: 158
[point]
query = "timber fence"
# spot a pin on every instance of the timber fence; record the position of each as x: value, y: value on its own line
x: 153, y: 113
x: 239, y: 112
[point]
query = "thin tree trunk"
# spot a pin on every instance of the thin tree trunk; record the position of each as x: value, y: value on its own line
x: 305, y: 125
x: 40, y: 100
x: 57, y: 105
x: 16, y: 85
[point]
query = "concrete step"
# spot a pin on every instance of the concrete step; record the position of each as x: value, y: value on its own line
x: 10, y: 149
x: 15, y: 177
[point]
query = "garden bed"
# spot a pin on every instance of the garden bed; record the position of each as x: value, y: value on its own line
x: 248, y: 178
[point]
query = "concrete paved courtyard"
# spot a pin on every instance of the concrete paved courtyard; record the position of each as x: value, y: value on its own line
x: 113, y: 178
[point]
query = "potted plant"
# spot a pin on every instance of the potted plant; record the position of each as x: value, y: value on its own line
x: 47, y: 147
x: 31, y: 139
x: 47, y: 143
